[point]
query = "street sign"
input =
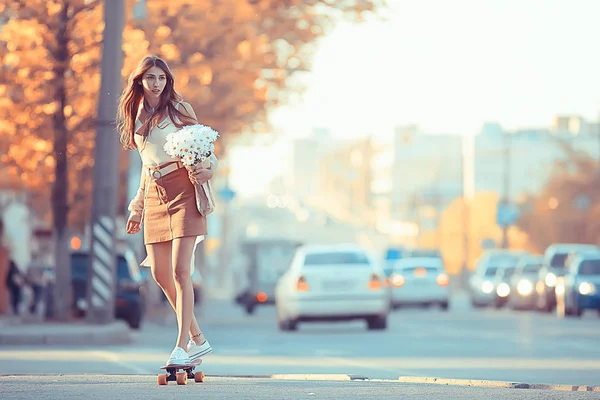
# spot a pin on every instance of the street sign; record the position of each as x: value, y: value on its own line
x: 506, y: 214
x: 226, y: 194
x: 488, y: 243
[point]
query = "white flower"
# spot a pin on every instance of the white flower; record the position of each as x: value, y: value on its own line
x: 197, y: 139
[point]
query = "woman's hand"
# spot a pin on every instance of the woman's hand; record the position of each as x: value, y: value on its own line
x: 133, y: 223
x: 199, y: 174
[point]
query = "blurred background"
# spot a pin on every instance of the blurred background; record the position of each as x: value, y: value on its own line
x: 450, y: 130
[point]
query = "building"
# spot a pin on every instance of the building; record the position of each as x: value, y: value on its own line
x: 426, y: 173
x: 428, y: 169
x: 513, y: 164
x: 345, y: 179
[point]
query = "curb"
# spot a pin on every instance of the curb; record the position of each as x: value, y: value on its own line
x: 66, y: 334
x: 498, y: 384
x: 297, y: 377
x: 417, y: 380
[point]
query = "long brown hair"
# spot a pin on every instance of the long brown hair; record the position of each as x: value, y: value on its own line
x: 133, y: 95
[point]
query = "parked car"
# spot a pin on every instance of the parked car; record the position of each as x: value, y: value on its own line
x: 420, y: 252
x: 554, y: 267
x: 129, y: 300
x: 267, y: 259
x: 332, y: 283
x: 483, y: 283
x: 198, y: 285
x: 579, y: 288
x: 419, y: 281
x: 522, y: 283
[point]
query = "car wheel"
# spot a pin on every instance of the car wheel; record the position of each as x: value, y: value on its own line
x: 444, y: 306
x: 135, y: 321
x: 250, y: 309
x: 377, y: 323
x: 288, y: 325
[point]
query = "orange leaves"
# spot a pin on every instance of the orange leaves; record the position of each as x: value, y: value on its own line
x: 162, y: 32
x: 53, y: 7
x: 169, y: 52
x: 232, y: 60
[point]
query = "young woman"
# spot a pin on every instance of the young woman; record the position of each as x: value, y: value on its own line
x: 165, y: 203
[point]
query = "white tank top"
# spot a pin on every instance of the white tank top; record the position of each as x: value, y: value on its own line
x: 153, y: 152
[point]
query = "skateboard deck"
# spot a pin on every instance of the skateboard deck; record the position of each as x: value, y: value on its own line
x: 187, y: 372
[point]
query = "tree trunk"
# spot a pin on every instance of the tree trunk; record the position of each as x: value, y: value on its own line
x: 60, y: 209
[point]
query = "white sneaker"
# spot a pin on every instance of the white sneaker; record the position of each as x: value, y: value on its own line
x: 179, y: 356
x: 196, y: 351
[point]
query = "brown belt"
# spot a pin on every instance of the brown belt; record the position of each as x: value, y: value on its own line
x: 157, y: 173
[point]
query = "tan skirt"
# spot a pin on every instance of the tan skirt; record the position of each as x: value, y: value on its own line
x: 170, y: 209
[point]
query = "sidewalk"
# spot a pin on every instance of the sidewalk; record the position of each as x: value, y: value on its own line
x: 33, y: 330
x: 21, y: 331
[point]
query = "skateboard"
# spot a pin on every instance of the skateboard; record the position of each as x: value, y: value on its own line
x: 181, y: 378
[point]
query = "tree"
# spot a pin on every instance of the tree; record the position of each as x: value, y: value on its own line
x: 232, y: 59
x: 233, y: 67
x: 481, y: 225
x: 49, y: 43
x: 568, y: 207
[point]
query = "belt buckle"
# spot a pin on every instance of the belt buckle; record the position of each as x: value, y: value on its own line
x: 156, y: 174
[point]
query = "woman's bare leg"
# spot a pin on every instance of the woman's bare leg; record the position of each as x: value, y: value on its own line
x: 162, y: 272
x: 181, y: 260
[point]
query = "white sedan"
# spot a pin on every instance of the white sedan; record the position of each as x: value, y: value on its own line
x: 332, y: 283
x: 419, y: 281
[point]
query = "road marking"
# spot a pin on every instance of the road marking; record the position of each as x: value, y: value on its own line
x: 117, y: 359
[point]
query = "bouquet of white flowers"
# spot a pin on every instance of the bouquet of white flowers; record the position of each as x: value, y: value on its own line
x: 191, y: 144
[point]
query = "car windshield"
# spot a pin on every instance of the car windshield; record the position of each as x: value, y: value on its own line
x: 531, y: 268
x: 508, y: 272
x: 504, y: 259
x: 425, y: 253
x: 122, y: 268
x: 558, y: 260
x: 491, y: 271
x: 590, y: 267
x: 79, y: 266
x: 336, y: 257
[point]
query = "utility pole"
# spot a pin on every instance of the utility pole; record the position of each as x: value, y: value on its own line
x: 468, y: 189
x: 506, y: 190
x: 102, y: 267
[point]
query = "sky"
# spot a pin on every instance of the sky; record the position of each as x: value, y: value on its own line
x: 447, y: 66
x: 450, y: 66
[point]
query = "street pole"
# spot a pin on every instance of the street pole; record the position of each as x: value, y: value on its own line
x: 102, y: 271
x: 468, y: 188
x: 506, y: 190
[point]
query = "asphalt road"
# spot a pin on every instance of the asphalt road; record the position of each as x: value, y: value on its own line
x: 140, y: 387
x: 461, y: 343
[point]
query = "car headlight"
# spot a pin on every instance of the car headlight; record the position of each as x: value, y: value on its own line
x: 397, y: 280
x: 503, y: 290
x: 487, y: 287
x: 586, y: 288
x: 550, y: 280
x: 524, y: 287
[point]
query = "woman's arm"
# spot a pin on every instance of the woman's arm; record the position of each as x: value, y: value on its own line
x: 136, y: 206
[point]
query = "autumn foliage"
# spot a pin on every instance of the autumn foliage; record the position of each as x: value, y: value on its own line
x: 232, y: 60
x: 567, y: 210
